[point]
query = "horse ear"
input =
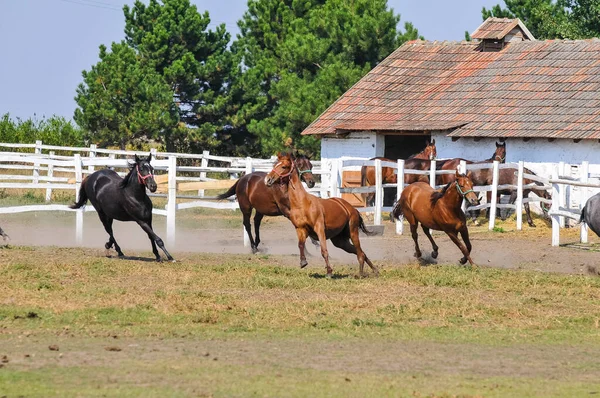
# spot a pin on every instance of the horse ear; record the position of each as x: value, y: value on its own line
x: 470, y: 174
x: 137, y: 159
x: 149, y: 158
x: 433, y: 141
x: 504, y: 144
x: 497, y: 145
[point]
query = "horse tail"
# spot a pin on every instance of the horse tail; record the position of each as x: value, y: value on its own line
x: 582, y: 216
x: 363, y: 227
x: 230, y: 191
x: 83, y: 198
x: 396, y: 213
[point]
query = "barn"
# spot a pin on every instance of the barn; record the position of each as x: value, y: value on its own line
x: 540, y: 97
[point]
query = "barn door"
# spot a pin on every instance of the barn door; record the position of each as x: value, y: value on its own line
x: 351, y: 179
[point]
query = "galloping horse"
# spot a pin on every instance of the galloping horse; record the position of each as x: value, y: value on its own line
x: 318, y: 218
x: 5, y: 237
x: 123, y: 199
x: 252, y: 193
x: 439, y: 210
x: 420, y: 161
x: 590, y: 214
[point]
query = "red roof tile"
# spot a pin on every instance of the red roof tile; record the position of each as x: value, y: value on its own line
x: 529, y: 89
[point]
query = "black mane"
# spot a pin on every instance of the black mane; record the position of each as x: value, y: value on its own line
x: 437, y: 195
x: 125, y: 181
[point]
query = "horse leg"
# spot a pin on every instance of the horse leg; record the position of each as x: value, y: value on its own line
x: 454, y: 237
x: 107, y: 222
x: 464, y: 233
x: 320, y: 231
x: 301, y: 232
x: 528, y: 214
x: 147, y: 227
x: 354, y: 248
x: 415, y: 236
x: 257, y: 220
x: 247, y: 213
x: 434, y: 253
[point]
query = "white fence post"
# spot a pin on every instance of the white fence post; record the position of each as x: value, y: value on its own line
x: 399, y: 188
x: 249, y: 170
x: 336, y: 169
x: 562, y: 192
x: 325, y: 170
x: 462, y: 168
x: 519, y: 201
x: 432, y: 171
x: 203, y: 163
x: 50, y: 174
x: 92, y: 154
x: 153, y: 153
x: 171, y: 200
x: 378, y: 192
x: 36, y: 165
x: 78, y: 212
x: 554, y: 208
x: 495, y: 177
x: 583, y: 197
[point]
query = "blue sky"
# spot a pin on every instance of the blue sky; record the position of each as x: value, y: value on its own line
x: 45, y: 44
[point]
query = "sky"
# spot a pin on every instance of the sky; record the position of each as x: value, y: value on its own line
x: 46, y: 44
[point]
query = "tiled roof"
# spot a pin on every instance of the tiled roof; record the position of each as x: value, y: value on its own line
x: 547, y: 89
x: 498, y: 28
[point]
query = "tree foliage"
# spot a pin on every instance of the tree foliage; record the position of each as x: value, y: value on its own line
x: 548, y: 19
x: 299, y: 56
x: 53, y: 131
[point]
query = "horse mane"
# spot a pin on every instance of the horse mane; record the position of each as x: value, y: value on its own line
x: 416, y: 154
x: 125, y: 181
x: 437, y: 195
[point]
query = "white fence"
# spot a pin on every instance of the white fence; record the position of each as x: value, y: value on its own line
x: 37, y: 171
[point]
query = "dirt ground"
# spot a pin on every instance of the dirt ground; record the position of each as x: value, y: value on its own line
x: 222, y: 233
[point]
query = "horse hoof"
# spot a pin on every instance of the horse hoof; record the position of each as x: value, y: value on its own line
x: 254, y: 250
x: 158, y: 260
x: 532, y: 225
x: 303, y: 263
x: 434, y: 254
x: 107, y: 245
x: 417, y: 255
x: 463, y: 261
x: 328, y: 275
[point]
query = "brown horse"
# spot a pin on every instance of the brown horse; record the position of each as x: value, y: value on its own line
x: 420, y: 161
x: 439, y: 210
x: 252, y: 193
x: 510, y: 177
x: 318, y: 218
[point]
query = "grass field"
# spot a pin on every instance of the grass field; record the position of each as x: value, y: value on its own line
x: 74, y: 323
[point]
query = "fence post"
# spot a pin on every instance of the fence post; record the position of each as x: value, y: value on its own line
x: 92, y: 154
x: 50, y: 174
x: 495, y: 174
x: 36, y: 165
x: 203, y: 163
x: 325, y: 169
x: 153, y: 152
x: 583, y: 196
x: 554, y: 208
x: 78, y: 212
x: 519, y: 201
x: 171, y: 200
x: 378, y: 192
x: 399, y: 188
x: 432, y: 171
x: 248, y: 171
x: 111, y: 156
x: 562, y: 195
x: 462, y: 168
x: 336, y: 169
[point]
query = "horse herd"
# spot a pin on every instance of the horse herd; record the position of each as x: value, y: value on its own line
x: 281, y: 192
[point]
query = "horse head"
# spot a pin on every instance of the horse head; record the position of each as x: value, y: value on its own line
x: 304, y: 167
x: 464, y: 186
x: 430, y: 150
x: 500, y: 154
x: 145, y: 172
x: 282, y: 169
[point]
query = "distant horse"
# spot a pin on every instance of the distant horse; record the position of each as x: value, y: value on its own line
x: 439, y: 210
x: 420, y: 161
x: 123, y: 199
x: 318, y: 218
x: 510, y: 177
x: 252, y: 193
x: 5, y: 237
x: 590, y: 214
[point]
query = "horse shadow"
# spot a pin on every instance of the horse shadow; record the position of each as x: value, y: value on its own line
x: 134, y: 258
x: 324, y: 276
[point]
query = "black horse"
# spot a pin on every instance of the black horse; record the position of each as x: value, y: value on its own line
x: 4, y: 235
x: 590, y: 214
x: 123, y: 199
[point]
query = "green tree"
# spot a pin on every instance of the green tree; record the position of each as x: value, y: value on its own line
x: 172, y: 37
x: 53, y: 131
x: 299, y: 56
x: 548, y: 19
x: 124, y: 101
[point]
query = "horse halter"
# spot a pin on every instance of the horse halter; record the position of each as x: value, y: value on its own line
x: 501, y: 160
x: 460, y: 191
x: 142, y: 179
x: 282, y: 176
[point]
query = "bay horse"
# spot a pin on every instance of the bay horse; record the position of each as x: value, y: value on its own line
x: 511, y: 177
x: 439, y: 210
x: 123, y: 199
x: 419, y: 161
x: 321, y: 219
x: 253, y: 193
